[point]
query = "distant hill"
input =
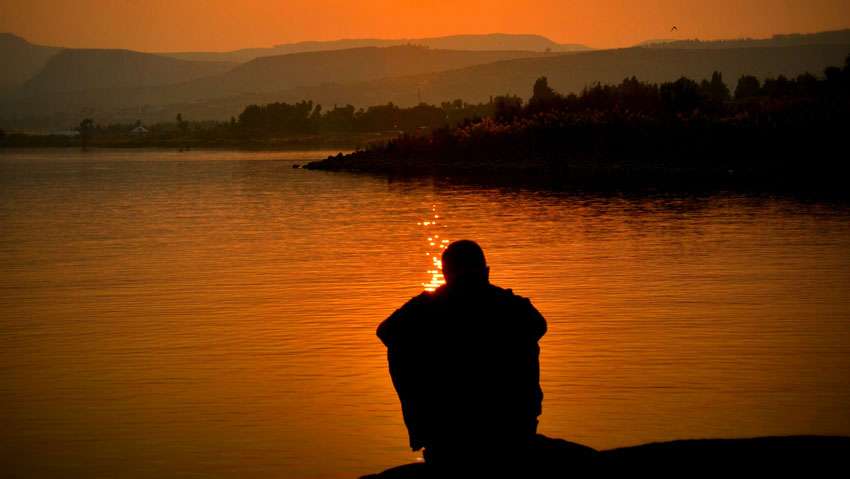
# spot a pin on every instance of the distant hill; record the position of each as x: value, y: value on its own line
x: 833, y: 37
x: 21, y: 60
x: 110, y: 79
x: 572, y: 72
x: 116, y: 88
x: 492, y: 42
x: 79, y: 70
x: 353, y: 65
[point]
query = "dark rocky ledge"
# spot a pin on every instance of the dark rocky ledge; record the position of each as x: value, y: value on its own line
x: 787, y: 456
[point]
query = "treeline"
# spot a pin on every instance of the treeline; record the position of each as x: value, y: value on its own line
x: 750, y: 102
x: 305, y: 117
x: 781, y: 129
x: 274, y: 124
x: 709, y: 97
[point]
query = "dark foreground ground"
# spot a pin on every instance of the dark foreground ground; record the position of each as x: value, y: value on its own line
x: 791, y: 456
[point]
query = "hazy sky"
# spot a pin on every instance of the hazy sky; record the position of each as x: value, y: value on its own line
x: 157, y: 25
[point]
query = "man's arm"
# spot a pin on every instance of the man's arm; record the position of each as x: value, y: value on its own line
x: 404, y: 366
x: 536, y: 327
x: 534, y: 321
x: 395, y: 327
x: 404, y: 373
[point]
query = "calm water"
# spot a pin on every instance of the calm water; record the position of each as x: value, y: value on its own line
x: 212, y: 314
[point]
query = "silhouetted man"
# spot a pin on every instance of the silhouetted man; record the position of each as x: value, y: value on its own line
x: 464, y: 362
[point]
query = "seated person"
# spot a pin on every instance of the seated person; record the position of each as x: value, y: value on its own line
x: 464, y: 362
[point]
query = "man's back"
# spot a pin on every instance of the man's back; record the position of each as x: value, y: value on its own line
x: 464, y: 361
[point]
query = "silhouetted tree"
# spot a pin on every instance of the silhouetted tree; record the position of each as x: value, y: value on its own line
x: 380, y: 117
x: 452, y: 105
x: 278, y: 118
x: 596, y: 97
x: 633, y: 95
x: 748, y: 87
x: 833, y: 74
x: 182, y: 124
x: 781, y: 127
x: 316, y: 115
x: 680, y: 96
x: 778, y: 87
x: 341, y: 118
x: 506, y: 108
x: 543, y: 97
x: 422, y: 115
x: 806, y: 85
x: 542, y: 92
x: 86, y: 129
x: 718, y: 92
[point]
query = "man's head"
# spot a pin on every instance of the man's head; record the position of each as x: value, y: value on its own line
x: 464, y: 264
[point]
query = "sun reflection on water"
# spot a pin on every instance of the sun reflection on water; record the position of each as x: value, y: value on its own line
x: 434, y: 249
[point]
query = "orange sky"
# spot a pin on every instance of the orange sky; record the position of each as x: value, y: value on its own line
x: 158, y: 25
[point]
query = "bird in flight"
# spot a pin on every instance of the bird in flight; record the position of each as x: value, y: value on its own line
x: 674, y: 29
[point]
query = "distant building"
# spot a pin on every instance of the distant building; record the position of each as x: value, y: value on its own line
x: 139, y: 130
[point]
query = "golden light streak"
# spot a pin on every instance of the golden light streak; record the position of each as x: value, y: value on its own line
x: 434, y: 251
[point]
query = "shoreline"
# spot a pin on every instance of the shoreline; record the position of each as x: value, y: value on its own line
x: 309, y: 142
x: 587, y: 177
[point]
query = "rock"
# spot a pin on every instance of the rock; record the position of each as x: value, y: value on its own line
x: 804, y: 456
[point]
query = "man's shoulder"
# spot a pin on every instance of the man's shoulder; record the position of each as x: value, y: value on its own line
x: 409, y: 311
x: 521, y: 307
x: 508, y: 295
x: 414, y: 305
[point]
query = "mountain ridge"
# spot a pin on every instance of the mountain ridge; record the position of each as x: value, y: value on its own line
x: 465, y: 42
x: 85, y: 69
x: 404, y: 74
x: 826, y: 37
x: 21, y: 60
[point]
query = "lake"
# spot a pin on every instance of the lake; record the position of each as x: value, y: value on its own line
x: 213, y: 314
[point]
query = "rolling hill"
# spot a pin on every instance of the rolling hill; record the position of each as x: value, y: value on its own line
x: 75, y: 70
x: 111, y: 79
x: 21, y: 60
x: 353, y: 65
x: 369, y: 76
x: 488, y: 42
x: 832, y: 37
x: 572, y: 72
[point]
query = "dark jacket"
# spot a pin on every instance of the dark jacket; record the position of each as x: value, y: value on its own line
x: 465, y: 365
